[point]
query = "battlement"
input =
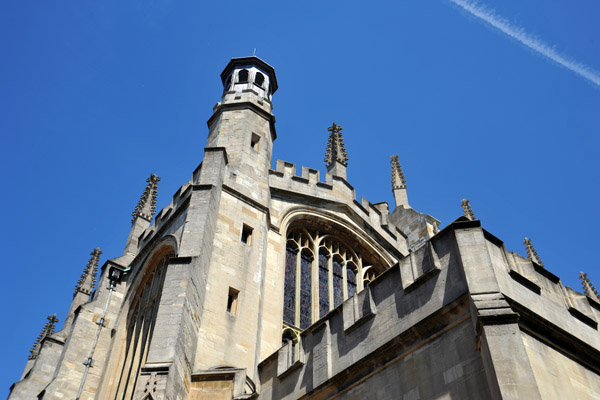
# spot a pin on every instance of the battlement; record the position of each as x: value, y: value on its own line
x: 418, y: 310
x: 390, y: 319
x: 335, y: 190
x: 527, y: 284
x: 543, y: 283
x: 180, y: 198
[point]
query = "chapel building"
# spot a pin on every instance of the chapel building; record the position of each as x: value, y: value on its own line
x: 260, y: 283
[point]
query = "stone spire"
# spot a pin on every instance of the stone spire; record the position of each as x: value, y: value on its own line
x: 532, y: 253
x: 467, y: 210
x: 87, y: 282
x: 588, y: 287
x: 48, y: 330
x: 142, y: 216
x: 146, y: 207
x: 399, y: 183
x: 336, y: 157
x: 398, y: 179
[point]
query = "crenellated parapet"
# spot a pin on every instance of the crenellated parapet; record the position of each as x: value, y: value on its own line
x: 168, y: 214
x: 524, y: 281
x: 415, y: 312
x: 335, y: 191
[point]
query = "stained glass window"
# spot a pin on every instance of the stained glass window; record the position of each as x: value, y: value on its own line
x: 338, y: 281
x: 305, y: 289
x: 336, y: 274
x: 350, y: 280
x: 323, y: 284
x: 289, y: 300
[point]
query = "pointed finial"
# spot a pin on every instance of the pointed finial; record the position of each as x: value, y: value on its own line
x: 588, y: 287
x: 87, y: 282
x: 467, y: 210
x: 336, y: 151
x: 532, y: 253
x: 146, y: 207
x: 46, y: 331
x: 398, y: 179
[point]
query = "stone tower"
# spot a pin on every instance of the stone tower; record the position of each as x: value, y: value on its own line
x: 260, y: 283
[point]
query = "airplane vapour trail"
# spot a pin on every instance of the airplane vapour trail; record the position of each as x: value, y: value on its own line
x: 533, y: 43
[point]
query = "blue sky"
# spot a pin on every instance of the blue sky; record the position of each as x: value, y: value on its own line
x: 95, y: 96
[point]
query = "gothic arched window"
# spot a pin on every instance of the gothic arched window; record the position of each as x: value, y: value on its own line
x: 316, y: 285
x: 140, y: 325
x: 243, y: 76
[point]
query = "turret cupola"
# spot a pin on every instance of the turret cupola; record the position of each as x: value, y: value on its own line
x: 249, y: 73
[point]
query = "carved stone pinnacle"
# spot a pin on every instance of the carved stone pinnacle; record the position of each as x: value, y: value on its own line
x: 46, y: 331
x: 146, y: 207
x: 532, y: 253
x: 336, y: 150
x: 87, y: 281
x: 588, y: 288
x: 398, y: 179
x: 467, y: 210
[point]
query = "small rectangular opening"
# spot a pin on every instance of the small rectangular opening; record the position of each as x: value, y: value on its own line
x: 254, y: 141
x: 232, y: 300
x: 246, y: 234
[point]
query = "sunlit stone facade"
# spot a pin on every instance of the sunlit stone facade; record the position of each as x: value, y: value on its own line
x: 260, y: 283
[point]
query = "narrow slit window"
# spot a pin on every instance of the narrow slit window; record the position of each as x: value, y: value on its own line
x: 254, y: 141
x: 246, y: 234
x: 232, y: 300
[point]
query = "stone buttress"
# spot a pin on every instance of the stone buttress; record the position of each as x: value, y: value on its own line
x: 260, y: 283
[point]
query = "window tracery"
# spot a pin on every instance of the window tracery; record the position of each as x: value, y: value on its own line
x: 291, y: 335
x: 321, y: 271
x: 140, y: 326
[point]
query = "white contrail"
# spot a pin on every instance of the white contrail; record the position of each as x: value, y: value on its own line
x: 526, y: 39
